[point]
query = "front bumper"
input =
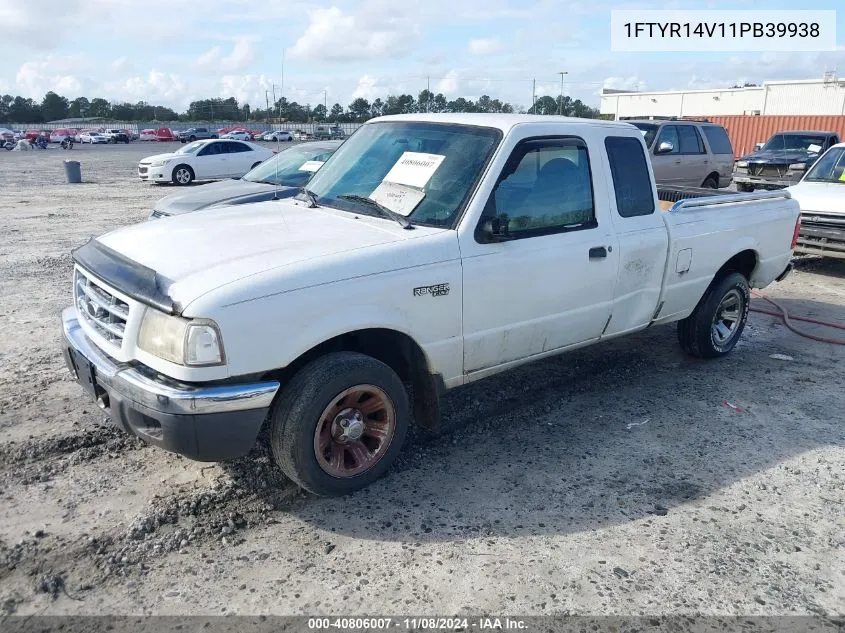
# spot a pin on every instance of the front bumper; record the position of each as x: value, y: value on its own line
x: 765, y: 181
x: 205, y: 423
x: 161, y: 173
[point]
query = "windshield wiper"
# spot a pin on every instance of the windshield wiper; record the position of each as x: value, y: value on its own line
x: 312, y: 197
x: 404, y: 222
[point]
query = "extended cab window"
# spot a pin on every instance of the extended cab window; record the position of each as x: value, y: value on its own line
x: 545, y: 188
x: 631, y: 180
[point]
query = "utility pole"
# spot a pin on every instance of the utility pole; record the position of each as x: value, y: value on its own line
x: 267, y: 101
x: 560, y: 105
x: 282, y: 87
x: 326, y: 101
x: 533, y: 96
x: 428, y: 90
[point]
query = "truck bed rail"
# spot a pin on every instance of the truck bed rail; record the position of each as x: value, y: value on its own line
x: 711, y: 201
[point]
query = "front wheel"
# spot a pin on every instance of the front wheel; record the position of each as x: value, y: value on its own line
x: 182, y: 175
x: 339, y: 423
x: 714, y: 327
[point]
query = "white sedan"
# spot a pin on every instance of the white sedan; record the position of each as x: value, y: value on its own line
x: 203, y: 160
x: 279, y: 136
x: 93, y: 137
x: 237, y: 136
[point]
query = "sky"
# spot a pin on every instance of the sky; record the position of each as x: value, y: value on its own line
x: 170, y: 52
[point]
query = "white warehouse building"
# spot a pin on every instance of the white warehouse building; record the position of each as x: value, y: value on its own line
x: 813, y: 96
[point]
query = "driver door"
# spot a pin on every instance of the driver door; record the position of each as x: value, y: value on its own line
x: 211, y: 161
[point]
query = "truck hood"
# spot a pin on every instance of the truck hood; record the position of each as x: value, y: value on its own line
x: 199, y: 252
x: 780, y: 157
x: 219, y: 193
x: 821, y: 197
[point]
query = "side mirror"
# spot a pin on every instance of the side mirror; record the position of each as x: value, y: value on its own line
x: 665, y: 147
x: 493, y: 230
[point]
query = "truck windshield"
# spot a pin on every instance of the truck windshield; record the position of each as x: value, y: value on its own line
x: 425, y: 171
x: 829, y: 168
x: 292, y: 167
x: 648, y: 130
x: 800, y: 142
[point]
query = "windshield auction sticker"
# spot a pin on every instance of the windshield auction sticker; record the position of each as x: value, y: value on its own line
x: 397, y: 197
x: 722, y: 30
x: 414, y: 169
x: 311, y: 165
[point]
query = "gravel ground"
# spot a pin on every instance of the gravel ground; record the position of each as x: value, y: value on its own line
x: 616, y: 479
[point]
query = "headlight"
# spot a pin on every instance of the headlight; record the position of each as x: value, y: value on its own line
x: 797, y: 167
x: 160, y: 163
x: 180, y: 341
x: 742, y: 163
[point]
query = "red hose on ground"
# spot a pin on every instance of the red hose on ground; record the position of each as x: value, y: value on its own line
x: 784, y: 315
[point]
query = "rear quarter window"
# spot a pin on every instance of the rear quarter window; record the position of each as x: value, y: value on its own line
x: 631, y: 182
x: 718, y: 139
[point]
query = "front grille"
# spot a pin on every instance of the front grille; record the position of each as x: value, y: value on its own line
x: 142, y: 170
x: 823, y: 220
x: 99, y: 308
x: 774, y: 171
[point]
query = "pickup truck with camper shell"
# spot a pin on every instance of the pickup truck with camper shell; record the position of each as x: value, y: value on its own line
x: 429, y: 251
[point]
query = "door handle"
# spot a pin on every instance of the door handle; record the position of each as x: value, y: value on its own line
x: 598, y: 252
x: 678, y: 162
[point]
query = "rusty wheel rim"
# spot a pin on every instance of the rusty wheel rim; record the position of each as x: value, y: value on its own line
x: 354, y: 431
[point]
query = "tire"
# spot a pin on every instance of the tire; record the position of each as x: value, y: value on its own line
x: 744, y: 187
x: 710, y: 332
x: 310, y: 413
x: 214, y: 136
x: 192, y: 138
x: 126, y: 141
x: 711, y: 182
x: 182, y: 175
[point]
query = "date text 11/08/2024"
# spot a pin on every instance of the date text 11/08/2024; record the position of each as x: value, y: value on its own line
x: 418, y: 624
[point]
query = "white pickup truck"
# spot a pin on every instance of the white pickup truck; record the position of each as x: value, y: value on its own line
x: 428, y: 252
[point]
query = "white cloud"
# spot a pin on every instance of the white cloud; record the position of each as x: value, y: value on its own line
x: 59, y: 74
x: 333, y: 35
x: 368, y: 87
x: 156, y: 87
x: 246, y: 89
x: 449, y: 84
x: 121, y: 65
x: 484, y: 46
x: 240, y: 58
x: 242, y: 55
x: 209, y: 60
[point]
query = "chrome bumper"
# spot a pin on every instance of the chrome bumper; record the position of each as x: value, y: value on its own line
x: 159, y: 393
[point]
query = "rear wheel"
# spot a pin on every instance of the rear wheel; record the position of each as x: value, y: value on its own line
x: 711, y: 182
x: 339, y: 423
x: 182, y: 175
x: 714, y: 327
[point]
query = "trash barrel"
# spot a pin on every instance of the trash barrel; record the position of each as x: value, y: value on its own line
x: 73, y: 171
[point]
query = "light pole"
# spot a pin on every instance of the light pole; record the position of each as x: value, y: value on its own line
x: 560, y: 105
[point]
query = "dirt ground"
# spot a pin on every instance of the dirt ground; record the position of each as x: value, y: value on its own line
x: 624, y: 478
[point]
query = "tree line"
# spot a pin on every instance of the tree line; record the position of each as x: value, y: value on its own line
x: 54, y: 107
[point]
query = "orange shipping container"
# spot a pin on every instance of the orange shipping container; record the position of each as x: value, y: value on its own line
x: 745, y: 131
